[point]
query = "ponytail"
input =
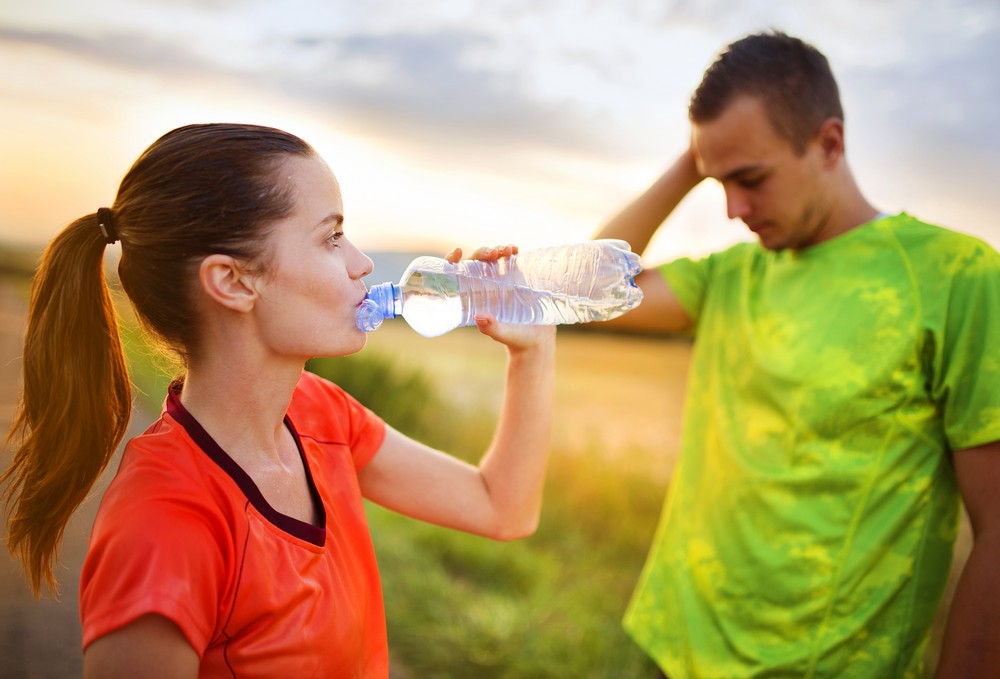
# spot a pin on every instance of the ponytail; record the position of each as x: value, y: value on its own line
x: 76, y: 399
x: 197, y: 190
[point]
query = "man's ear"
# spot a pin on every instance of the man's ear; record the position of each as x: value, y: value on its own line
x: 831, y: 140
x: 225, y: 282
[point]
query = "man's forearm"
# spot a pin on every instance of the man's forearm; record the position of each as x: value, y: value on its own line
x: 637, y: 223
x: 971, y: 645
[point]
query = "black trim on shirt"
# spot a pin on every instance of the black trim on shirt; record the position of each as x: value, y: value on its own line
x: 301, y: 529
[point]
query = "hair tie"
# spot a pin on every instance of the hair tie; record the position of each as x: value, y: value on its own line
x: 106, y: 224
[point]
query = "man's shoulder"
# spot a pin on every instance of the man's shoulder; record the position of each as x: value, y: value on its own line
x: 737, y: 254
x: 939, y: 255
x: 711, y: 266
x: 914, y: 233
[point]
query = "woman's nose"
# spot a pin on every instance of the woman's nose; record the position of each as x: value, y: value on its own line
x: 363, y: 265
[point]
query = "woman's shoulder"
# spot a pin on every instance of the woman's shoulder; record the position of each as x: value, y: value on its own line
x: 323, y: 411
x: 163, y: 471
x: 314, y: 392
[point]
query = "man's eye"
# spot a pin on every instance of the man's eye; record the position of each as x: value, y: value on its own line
x: 751, y: 183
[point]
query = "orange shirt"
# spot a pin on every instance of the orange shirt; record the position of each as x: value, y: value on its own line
x: 183, y: 532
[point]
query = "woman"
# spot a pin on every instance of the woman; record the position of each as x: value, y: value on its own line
x: 233, y: 540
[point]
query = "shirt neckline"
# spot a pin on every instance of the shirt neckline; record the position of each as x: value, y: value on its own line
x: 834, y: 243
x: 314, y: 534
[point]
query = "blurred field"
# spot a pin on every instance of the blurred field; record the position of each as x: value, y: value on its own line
x: 620, y: 396
x: 459, y: 606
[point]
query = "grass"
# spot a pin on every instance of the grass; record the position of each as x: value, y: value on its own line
x: 549, y: 606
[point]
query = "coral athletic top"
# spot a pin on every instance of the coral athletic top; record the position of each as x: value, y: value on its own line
x: 183, y: 532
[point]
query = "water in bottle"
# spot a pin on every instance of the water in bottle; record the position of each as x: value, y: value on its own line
x: 579, y: 283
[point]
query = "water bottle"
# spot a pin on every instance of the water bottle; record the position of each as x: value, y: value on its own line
x: 579, y: 283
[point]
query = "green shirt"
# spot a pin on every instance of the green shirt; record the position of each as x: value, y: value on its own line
x: 810, y: 523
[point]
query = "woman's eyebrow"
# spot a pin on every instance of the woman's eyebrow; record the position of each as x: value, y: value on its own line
x: 335, y: 218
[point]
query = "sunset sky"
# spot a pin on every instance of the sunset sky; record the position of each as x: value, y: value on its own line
x: 469, y: 123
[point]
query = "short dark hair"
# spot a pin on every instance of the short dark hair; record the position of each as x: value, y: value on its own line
x: 792, y: 78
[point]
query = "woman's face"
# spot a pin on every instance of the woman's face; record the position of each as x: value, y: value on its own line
x: 311, y: 290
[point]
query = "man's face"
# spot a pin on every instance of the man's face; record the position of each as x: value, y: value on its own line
x: 782, y: 196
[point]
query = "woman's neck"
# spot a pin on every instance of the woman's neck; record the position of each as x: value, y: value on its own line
x: 242, y: 404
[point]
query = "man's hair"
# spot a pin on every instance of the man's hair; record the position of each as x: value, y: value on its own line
x: 792, y: 78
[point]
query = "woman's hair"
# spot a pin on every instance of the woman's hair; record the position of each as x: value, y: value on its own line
x: 198, y: 190
x: 792, y: 78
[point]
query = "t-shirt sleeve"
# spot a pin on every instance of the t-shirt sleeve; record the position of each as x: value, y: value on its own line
x: 691, y: 279
x: 687, y: 278
x: 154, y: 556
x: 967, y: 383
x: 366, y: 434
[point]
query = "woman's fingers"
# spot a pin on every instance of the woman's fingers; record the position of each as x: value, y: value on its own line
x: 495, y: 252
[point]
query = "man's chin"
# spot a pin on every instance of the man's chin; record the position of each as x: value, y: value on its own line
x: 768, y: 241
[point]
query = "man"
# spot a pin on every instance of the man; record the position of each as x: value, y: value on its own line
x: 844, y: 396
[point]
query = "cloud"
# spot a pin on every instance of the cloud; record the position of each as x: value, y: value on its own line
x: 420, y: 88
x: 128, y: 51
x: 953, y: 94
x: 424, y: 84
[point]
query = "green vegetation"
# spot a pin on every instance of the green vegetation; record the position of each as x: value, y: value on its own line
x: 150, y: 368
x: 18, y: 262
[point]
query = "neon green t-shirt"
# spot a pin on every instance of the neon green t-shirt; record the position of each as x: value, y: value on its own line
x: 810, y: 523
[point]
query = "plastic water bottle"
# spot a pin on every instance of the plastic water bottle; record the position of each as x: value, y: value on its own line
x: 589, y: 281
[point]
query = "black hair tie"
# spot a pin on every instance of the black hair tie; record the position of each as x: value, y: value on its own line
x: 106, y: 223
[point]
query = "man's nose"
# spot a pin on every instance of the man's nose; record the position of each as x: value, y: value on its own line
x: 737, y: 204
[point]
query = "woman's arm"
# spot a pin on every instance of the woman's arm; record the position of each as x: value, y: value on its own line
x: 501, y: 498
x: 151, y: 647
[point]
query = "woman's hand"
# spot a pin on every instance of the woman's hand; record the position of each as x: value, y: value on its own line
x: 516, y: 336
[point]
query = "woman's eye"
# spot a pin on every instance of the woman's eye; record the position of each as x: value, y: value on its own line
x: 334, y: 237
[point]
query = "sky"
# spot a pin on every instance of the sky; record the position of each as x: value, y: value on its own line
x: 465, y: 123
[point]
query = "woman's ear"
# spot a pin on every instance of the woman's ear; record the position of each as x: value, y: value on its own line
x: 224, y: 282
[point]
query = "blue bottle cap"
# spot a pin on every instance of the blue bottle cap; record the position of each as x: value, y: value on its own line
x: 383, y: 301
x: 369, y: 316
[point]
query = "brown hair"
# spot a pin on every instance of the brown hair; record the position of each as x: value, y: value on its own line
x: 792, y: 78
x: 198, y: 190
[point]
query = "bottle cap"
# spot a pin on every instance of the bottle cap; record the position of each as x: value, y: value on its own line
x: 383, y: 301
x: 369, y: 316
